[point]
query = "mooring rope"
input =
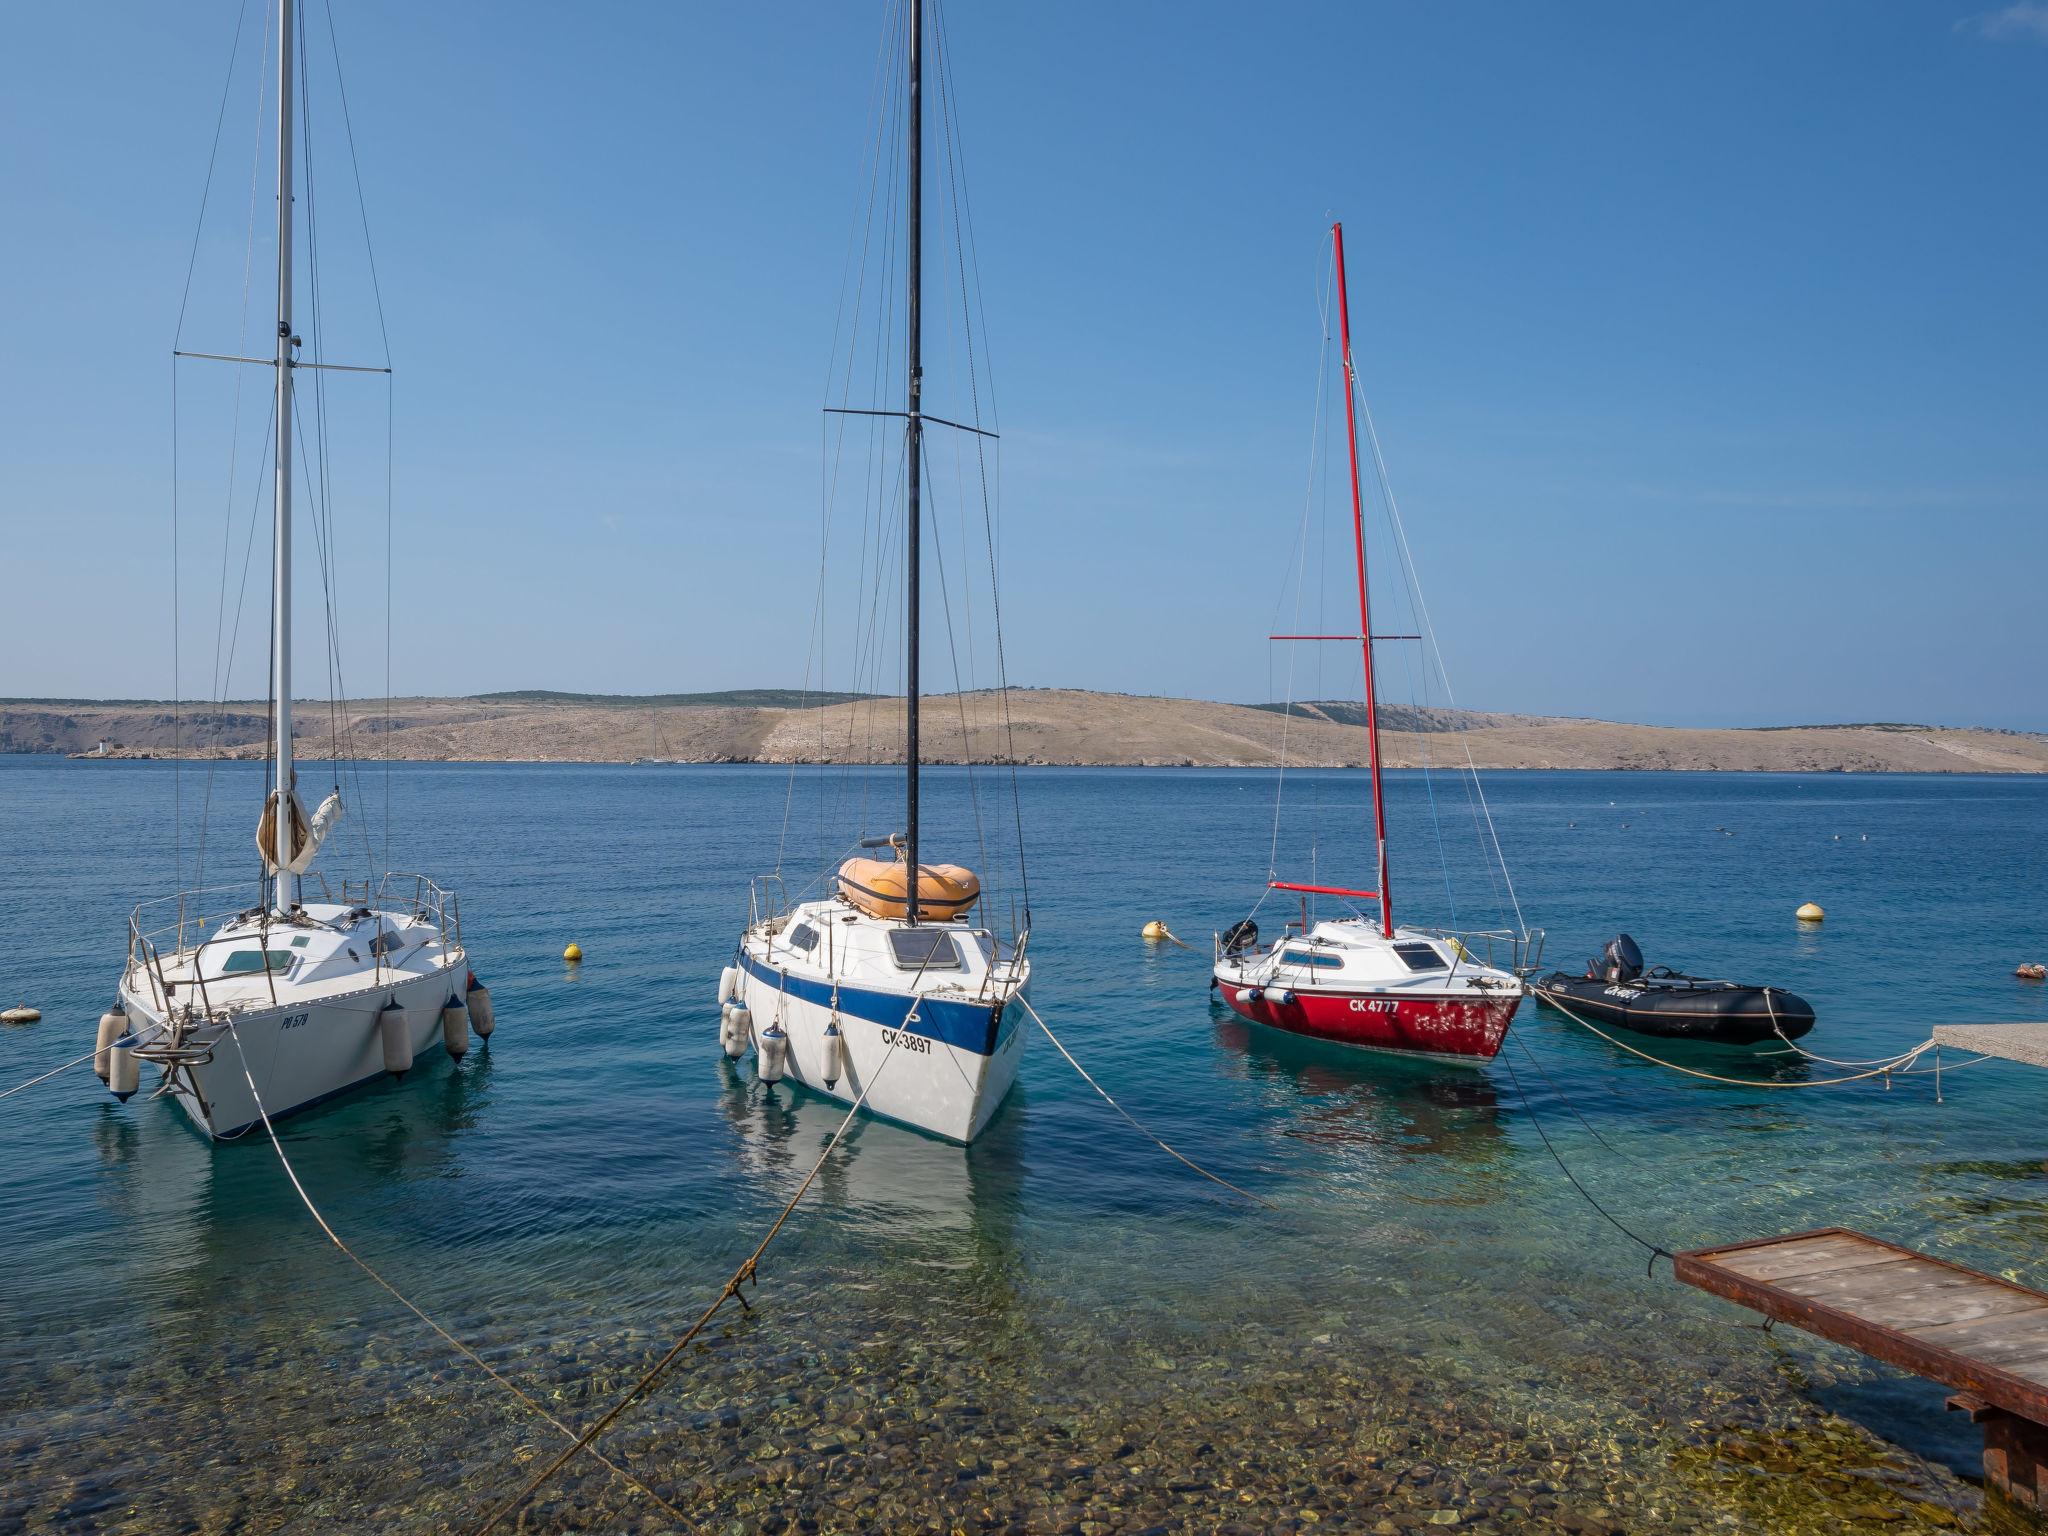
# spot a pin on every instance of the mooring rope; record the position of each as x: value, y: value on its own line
x: 403, y: 1300
x: 88, y: 1056
x: 731, y: 1290
x: 1565, y: 1098
x: 1800, y: 1050
x: 1157, y: 1141
x: 1655, y: 1251
x: 1897, y: 1064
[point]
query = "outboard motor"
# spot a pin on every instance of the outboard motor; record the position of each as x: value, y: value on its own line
x: 1239, y: 937
x: 1620, y: 961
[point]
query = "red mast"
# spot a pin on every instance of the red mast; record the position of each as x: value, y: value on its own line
x: 1364, y: 636
x: 1372, y: 719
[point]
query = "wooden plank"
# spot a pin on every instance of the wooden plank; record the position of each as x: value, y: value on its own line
x: 2016, y: 1341
x: 1812, y: 1256
x: 1916, y: 1293
x: 2009, y: 1327
x: 1909, y: 1295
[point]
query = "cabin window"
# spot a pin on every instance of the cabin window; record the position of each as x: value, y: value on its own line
x: 1420, y: 957
x: 247, y: 962
x: 803, y: 936
x: 924, y: 949
x: 1311, y: 958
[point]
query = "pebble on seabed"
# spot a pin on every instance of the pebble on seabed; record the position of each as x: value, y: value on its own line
x: 818, y: 1412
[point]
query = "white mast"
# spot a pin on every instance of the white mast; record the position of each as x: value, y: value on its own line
x: 283, y: 825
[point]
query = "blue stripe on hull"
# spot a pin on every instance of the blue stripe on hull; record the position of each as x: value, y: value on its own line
x: 966, y: 1026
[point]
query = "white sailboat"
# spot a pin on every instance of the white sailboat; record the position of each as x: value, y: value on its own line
x: 280, y: 1004
x: 888, y: 993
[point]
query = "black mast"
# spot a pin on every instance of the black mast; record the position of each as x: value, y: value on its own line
x: 914, y: 446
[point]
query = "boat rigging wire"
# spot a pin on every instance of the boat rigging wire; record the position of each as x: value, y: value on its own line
x: 1135, y: 1123
x: 1325, y: 288
x: 344, y: 756
x: 227, y: 523
x: 403, y: 1300
x: 867, y: 293
x: 1421, y: 608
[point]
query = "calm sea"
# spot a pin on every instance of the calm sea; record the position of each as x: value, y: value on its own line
x: 1061, y: 1328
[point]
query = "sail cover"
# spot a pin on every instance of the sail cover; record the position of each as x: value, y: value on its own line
x: 306, y: 840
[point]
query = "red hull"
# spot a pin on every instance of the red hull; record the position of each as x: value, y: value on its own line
x: 1467, y: 1028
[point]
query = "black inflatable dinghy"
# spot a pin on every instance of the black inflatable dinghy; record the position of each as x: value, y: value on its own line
x: 1616, y: 990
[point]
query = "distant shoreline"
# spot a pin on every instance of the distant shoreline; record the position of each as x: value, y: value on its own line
x: 1066, y: 728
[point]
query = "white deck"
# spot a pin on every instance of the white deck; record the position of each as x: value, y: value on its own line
x: 303, y: 994
x: 1351, y: 954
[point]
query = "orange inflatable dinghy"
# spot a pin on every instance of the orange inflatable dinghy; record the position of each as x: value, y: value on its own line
x: 877, y: 887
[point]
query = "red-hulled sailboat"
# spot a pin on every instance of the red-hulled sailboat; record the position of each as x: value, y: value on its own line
x: 1357, y: 979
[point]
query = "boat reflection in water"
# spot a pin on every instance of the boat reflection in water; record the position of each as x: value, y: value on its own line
x: 216, y: 1229
x: 1411, y: 1106
x: 885, y: 1180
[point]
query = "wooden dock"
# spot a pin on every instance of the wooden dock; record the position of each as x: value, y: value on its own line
x: 1984, y: 1338
x: 2026, y: 1043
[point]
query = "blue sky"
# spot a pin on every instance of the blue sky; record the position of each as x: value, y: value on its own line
x: 1706, y: 343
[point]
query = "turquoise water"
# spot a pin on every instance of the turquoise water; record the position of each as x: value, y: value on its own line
x: 1059, y: 1328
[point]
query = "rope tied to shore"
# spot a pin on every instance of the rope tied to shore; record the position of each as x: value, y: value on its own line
x: 748, y: 1272
x: 405, y: 1301
x: 1900, y: 1064
x: 1656, y: 1251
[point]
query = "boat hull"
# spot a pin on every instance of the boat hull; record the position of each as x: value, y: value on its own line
x: 300, y: 1054
x: 1457, y: 1027
x: 1724, y: 1013
x: 944, y: 1067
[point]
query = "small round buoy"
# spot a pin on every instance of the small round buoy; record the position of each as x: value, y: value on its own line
x: 455, y: 1027
x: 1154, y: 931
x: 833, y: 1067
x: 772, y: 1059
x: 735, y: 1029
x: 396, y: 1038
x: 1810, y: 913
x: 478, y: 998
x: 124, y: 1072
x: 728, y: 983
x: 573, y: 954
x: 20, y: 1013
x: 113, y: 1025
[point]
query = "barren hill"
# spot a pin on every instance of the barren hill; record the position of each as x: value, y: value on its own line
x: 1046, y: 725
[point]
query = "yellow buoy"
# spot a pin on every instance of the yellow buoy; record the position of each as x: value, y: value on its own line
x: 1810, y: 913
x: 573, y: 953
x: 21, y: 1015
x: 1154, y: 931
